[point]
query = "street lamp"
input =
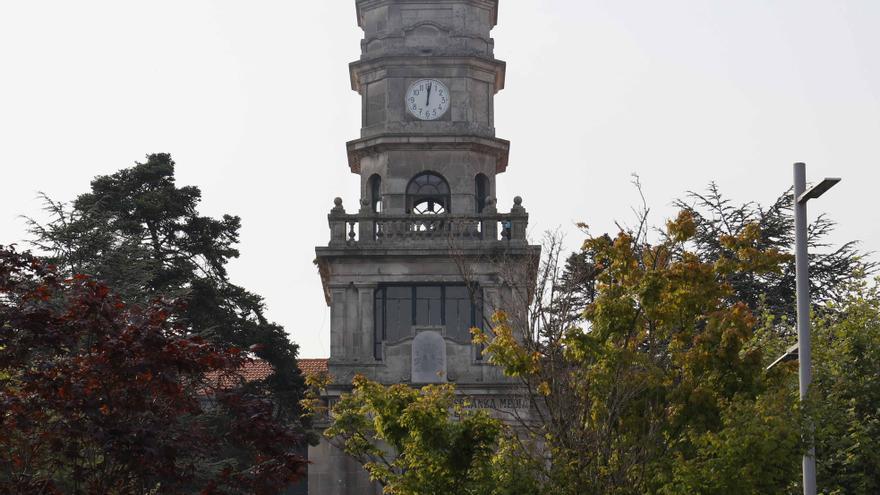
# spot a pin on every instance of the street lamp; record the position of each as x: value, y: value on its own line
x: 802, y: 266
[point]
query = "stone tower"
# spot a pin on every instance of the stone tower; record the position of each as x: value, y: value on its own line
x: 426, y: 255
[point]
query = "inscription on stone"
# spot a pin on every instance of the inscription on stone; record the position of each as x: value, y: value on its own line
x: 429, y: 358
x: 506, y: 403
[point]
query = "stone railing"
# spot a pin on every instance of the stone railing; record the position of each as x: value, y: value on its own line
x: 368, y: 228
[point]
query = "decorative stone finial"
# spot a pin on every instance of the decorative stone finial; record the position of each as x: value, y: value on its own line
x: 517, y: 206
x: 338, y: 208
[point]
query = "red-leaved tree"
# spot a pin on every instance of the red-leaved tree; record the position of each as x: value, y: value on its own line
x: 97, y: 396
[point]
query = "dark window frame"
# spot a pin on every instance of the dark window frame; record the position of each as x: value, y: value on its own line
x: 416, y: 194
x: 374, y: 189
x: 380, y: 311
x: 482, y: 186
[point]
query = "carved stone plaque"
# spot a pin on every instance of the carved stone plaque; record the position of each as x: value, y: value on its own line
x: 429, y: 357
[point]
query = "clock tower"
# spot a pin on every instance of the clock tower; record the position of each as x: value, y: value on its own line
x: 425, y: 255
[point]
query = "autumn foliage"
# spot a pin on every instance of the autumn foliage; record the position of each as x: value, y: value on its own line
x: 99, y: 396
x: 649, y: 381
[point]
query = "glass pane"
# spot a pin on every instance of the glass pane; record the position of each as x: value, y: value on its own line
x: 398, y: 313
x: 428, y: 306
x: 399, y: 292
x: 430, y: 206
x: 428, y: 184
x: 458, y: 313
x: 482, y: 187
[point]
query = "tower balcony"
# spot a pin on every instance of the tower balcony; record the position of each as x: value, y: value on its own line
x: 369, y: 229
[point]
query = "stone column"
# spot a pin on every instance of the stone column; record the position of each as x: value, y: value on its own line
x: 366, y: 296
x: 490, y: 220
x: 337, y: 323
x: 366, y: 223
x: 353, y: 338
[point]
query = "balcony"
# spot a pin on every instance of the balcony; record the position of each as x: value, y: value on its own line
x: 381, y: 230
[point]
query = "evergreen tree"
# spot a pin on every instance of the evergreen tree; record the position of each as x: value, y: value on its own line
x: 831, y: 270
x: 138, y: 232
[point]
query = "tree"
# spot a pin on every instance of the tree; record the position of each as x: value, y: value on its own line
x: 831, y: 271
x: 423, y: 442
x: 141, y: 234
x: 98, y: 395
x: 650, y: 383
x: 716, y: 217
x: 845, y: 394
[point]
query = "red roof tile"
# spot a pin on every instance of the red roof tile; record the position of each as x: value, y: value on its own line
x: 257, y: 369
x: 312, y: 366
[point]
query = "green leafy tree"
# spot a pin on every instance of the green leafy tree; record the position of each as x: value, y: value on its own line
x: 845, y: 395
x: 657, y: 385
x: 140, y: 233
x: 424, y: 442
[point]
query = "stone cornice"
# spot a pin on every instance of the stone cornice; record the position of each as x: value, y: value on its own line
x: 325, y: 255
x: 359, y: 148
x: 478, y: 250
x: 362, y: 5
x: 402, y: 33
x: 490, y: 65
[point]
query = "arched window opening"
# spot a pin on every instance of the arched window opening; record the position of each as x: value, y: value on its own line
x: 375, y: 186
x: 427, y: 194
x: 482, y: 192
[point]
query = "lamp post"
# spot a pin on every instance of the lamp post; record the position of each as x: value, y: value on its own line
x: 802, y: 265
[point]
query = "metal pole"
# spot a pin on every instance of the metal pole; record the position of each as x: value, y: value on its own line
x: 802, y: 265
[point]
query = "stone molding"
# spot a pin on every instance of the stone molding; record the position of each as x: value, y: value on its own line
x: 372, y: 69
x: 360, y: 148
x: 364, y: 5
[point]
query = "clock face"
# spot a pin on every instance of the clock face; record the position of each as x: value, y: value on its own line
x: 427, y: 99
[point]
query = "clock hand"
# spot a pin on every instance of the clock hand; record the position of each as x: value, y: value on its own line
x: 428, y: 100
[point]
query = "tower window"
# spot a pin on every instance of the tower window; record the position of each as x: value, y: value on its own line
x: 401, y: 307
x: 481, y: 187
x: 375, y: 191
x: 427, y: 194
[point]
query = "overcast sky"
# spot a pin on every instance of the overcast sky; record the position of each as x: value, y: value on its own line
x: 253, y: 101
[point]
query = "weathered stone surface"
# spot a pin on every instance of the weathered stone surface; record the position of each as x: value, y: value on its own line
x: 379, y: 242
x: 428, y: 357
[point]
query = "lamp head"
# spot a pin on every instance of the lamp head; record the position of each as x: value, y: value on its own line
x: 819, y: 189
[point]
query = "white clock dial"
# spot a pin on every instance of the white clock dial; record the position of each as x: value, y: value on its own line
x: 427, y: 99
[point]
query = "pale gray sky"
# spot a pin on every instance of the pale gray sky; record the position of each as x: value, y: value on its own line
x: 253, y: 101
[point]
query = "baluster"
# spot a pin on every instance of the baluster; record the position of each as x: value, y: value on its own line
x: 351, y: 233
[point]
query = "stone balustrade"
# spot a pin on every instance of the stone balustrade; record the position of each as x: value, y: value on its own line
x: 367, y: 228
